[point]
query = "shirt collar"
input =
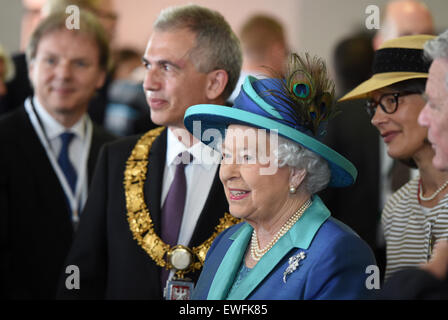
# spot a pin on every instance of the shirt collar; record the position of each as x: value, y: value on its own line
x: 53, y: 128
x: 203, y: 154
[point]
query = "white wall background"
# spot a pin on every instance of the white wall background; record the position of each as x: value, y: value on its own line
x: 312, y: 25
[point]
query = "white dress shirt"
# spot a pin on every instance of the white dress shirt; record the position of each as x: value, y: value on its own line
x: 199, y: 177
x: 54, y: 129
x: 49, y: 135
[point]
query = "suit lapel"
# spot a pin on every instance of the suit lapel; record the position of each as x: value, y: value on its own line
x: 214, y: 208
x: 154, y: 182
x: 93, y: 155
x: 215, y: 205
x: 39, y: 165
x: 98, y: 140
x: 262, y: 268
x: 300, y: 236
x: 228, y: 269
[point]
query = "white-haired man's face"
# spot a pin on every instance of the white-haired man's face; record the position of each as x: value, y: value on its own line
x: 434, y: 115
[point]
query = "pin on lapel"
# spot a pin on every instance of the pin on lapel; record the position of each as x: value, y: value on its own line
x: 293, y: 262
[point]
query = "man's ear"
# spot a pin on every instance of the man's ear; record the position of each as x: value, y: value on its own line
x: 296, y: 177
x: 101, y: 79
x: 216, y: 83
x: 30, y: 67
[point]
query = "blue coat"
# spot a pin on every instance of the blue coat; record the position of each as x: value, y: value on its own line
x: 334, y: 266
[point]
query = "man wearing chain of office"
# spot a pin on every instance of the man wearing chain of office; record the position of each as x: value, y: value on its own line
x: 155, y: 206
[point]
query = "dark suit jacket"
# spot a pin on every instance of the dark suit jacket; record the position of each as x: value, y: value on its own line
x: 19, y: 88
x: 35, y: 224
x: 112, y: 264
x: 414, y: 284
x: 352, y: 135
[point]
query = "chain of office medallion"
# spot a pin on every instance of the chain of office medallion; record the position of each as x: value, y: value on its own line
x: 139, y: 217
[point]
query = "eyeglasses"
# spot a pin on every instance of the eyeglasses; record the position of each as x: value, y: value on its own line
x: 388, y: 102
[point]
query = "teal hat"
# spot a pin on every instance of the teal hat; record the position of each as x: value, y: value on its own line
x: 297, y: 106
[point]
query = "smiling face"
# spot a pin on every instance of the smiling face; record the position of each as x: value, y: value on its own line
x: 251, y: 195
x: 434, y: 116
x: 172, y: 83
x: 66, y: 72
x: 400, y: 131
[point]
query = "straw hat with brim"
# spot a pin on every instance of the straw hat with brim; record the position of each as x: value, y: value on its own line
x: 253, y: 107
x: 395, y: 61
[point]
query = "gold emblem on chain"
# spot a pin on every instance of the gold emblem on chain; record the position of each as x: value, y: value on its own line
x: 179, y: 257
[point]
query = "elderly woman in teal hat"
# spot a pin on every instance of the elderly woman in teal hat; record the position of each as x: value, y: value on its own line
x: 288, y: 245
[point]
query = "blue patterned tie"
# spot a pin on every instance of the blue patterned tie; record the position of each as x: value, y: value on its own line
x: 64, y: 160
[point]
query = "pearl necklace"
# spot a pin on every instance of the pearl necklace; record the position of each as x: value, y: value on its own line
x: 256, y: 252
x: 435, y: 194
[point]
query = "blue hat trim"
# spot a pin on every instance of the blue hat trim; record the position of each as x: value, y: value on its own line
x: 254, y: 107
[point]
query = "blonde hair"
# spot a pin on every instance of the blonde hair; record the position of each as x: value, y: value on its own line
x: 89, y: 26
x: 52, y: 6
x: 259, y: 33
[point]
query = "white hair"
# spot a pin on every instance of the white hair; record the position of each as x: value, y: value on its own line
x: 438, y: 48
x: 295, y: 156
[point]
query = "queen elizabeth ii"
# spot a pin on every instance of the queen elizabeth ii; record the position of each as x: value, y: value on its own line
x: 288, y: 245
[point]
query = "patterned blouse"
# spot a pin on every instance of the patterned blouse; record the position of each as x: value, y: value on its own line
x: 411, y: 229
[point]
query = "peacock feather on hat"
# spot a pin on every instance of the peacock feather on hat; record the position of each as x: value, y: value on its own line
x: 307, y: 93
x: 297, y: 105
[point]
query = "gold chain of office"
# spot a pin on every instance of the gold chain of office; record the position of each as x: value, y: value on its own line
x: 139, y: 218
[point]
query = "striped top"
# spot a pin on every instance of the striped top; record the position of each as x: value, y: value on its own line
x: 409, y: 227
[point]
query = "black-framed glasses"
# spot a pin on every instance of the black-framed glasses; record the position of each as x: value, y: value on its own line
x: 388, y: 102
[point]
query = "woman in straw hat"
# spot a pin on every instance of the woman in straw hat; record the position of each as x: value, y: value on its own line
x: 416, y: 215
x: 288, y: 247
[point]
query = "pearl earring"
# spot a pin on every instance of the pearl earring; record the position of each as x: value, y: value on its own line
x: 292, y: 190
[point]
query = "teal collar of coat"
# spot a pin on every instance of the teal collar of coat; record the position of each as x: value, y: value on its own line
x: 299, y: 236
